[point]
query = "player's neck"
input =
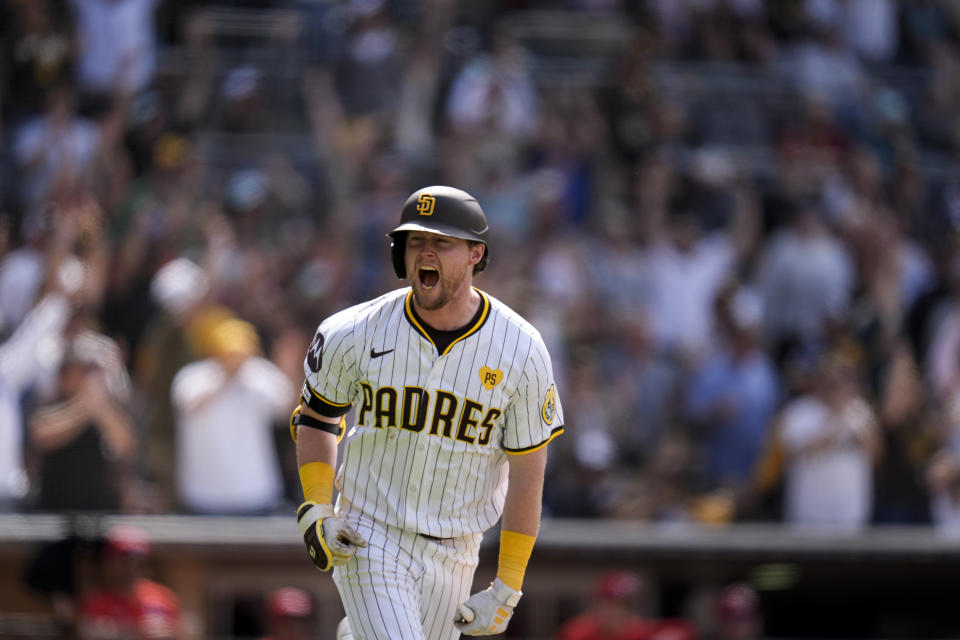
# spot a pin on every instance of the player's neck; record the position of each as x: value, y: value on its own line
x: 456, y: 313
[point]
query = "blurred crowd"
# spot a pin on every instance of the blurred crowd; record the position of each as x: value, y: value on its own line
x: 734, y: 222
x: 101, y: 585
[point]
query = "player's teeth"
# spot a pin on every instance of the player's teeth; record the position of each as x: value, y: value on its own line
x: 428, y: 273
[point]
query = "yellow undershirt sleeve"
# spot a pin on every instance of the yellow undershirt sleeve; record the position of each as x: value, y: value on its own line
x: 317, y: 481
x: 515, y: 550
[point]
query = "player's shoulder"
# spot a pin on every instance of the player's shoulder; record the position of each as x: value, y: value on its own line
x: 504, y: 313
x: 370, y: 311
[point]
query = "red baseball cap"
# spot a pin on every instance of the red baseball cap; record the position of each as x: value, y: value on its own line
x: 618, y: 585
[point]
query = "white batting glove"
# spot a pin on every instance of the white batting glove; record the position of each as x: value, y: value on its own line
x: 487, y: 612
x: 330, y: 541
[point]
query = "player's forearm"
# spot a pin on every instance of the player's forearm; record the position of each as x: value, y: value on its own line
x: 316, y: 459
x: 521, y: 516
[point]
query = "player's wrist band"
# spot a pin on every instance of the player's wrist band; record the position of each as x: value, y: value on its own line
x: 515, y: 550
x: 316, y: 478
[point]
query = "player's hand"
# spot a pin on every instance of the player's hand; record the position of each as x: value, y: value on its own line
x: 487, y: 612
x: 330, y: 541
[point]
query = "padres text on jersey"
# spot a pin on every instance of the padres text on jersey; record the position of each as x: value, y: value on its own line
x: 436, y: 425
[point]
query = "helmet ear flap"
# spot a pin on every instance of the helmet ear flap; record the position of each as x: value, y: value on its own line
x: 397, y: 250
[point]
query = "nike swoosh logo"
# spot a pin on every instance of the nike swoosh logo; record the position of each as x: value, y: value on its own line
x: 376, y: 354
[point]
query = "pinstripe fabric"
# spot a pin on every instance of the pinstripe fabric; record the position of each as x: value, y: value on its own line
x: 426, y: 452
x: 404, y: 585
x: 433, y: 480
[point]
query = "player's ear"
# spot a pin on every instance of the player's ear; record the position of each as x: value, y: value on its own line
x: 477, y: 250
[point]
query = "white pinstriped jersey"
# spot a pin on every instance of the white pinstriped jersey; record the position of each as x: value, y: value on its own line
x: 431, y: 432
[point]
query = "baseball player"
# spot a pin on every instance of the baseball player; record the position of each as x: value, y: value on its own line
x: 454, y: 404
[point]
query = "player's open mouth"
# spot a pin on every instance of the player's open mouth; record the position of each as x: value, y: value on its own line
x: 428, y: 277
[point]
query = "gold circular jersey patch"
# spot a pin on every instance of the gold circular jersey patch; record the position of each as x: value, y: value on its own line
x: 549, y: 409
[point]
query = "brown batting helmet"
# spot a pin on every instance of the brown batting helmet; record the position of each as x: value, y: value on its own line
x: 444, y: 210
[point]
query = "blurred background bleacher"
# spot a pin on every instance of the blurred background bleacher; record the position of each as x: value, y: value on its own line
x: 734, y: 222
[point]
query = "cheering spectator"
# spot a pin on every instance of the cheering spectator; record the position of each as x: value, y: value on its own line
x: 823, y: 66
x: 368, y: 71
x: 56, y: 152
x: 732, y: 397
x: 117, y: 46
x: 173, y: 339
x: 244, y: 477
x: 84, y: 433
x: 22, y: 366
x: 629, y: 169
x: 688, y: 266
x: 493, y: 94
x: 70, y: 284
x: 22, y: 272
x: 830, y: 443
x: 805, y: 277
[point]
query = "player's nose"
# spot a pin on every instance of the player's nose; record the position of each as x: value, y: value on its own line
x: 428, y: 248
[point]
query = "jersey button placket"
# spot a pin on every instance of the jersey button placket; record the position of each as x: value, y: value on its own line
x: 418, y: 466
x: 416, y: 478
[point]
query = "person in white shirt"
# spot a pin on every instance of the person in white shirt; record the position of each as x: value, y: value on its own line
x: 31, y: 356
x: 25, y: 359
x: 118, y: 44
x: 687, y: 268
x: 805, y: 276
x: 830, y: 441
x: 55, y: 151
x: 234, y: 397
